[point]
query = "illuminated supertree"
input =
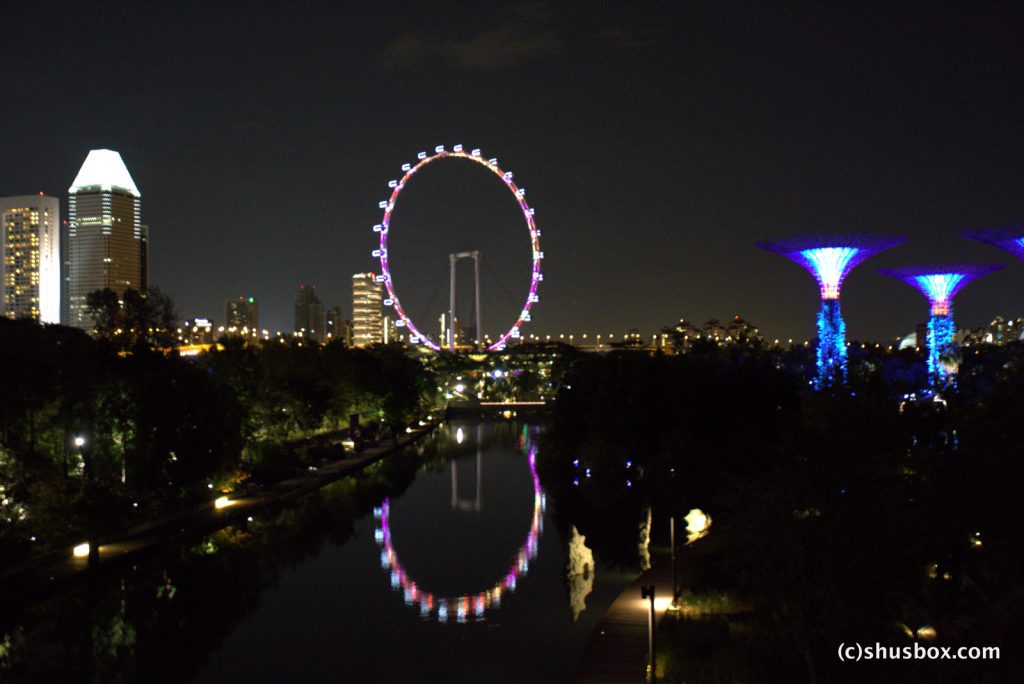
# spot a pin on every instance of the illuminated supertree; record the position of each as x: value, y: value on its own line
x: 830, y: 259
x: 1010, y: 238
x: 940, y: 284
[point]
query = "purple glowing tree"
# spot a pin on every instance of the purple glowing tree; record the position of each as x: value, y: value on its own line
x: 830, y: 259
x: 940, y: 284
x: 1010, y: 238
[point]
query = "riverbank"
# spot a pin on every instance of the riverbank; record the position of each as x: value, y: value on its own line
x: 48, y: 573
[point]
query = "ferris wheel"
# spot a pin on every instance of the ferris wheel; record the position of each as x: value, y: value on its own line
x: 383, y: 228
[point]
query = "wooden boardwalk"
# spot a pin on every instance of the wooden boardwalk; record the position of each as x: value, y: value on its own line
x: 617, y: 652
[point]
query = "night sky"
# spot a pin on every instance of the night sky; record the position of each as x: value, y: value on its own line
x: 657, y: 143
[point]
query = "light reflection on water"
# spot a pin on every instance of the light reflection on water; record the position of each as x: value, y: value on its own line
x: 313, y: 591
x: 467, y: 606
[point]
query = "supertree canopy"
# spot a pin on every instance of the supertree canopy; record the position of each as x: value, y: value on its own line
x: 1010, y: 238
x: 940, y: 284
x: 830, y: 259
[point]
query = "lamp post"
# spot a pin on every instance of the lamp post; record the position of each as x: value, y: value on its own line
x: 672, y: 542
x: 648, y: 592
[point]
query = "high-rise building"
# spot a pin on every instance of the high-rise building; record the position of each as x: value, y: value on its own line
x: 143, y: 258
x: 309, y: 314
x: 367, y: 315
x: 335, y: 324
x: 197, y: 331
x: 30, y: 257
x: 243, y: 312
x: 105, y: 236
x: 30, y: 251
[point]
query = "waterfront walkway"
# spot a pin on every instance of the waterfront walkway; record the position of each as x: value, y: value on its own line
x: 41, y: 575
x: 617, y: 652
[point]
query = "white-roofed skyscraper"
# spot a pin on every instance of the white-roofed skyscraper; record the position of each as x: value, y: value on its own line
x: 104, y: 233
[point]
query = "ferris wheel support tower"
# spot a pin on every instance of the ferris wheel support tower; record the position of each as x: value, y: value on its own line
x: 453, y: 259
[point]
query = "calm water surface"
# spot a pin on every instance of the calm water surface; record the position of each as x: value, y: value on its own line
x: 441, y: 564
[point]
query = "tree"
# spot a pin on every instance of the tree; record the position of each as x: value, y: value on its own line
x: 134, y: 318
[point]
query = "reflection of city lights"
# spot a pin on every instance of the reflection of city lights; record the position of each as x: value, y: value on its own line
x: 470, y: 606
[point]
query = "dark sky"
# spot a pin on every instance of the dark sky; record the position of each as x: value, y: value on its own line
x: 657, y: 143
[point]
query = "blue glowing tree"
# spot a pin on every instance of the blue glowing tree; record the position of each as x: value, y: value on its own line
x: 940, y: 284
x: 830, y: 259
x: 1010, y: 238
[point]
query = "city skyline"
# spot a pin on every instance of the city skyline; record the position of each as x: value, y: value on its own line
x: 686, y: 136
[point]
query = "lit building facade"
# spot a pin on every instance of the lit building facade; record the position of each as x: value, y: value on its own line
x: 939, y: 284
x: 243, y: 312
x: 30, y: 257
x: 197, y: 331
x: 830, y: 259
x: 309, y: 314
x: 335, y: 324
x: 367, y: 311
x: 105, y: 235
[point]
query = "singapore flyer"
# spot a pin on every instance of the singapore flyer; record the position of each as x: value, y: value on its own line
x: 402, y: 318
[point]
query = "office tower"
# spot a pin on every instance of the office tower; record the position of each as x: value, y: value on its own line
x: 243, y: 312
x: 830, y: 259
x: 367, y: 315
x: 390, y: 331
x: 143, y: 258
x: 335, y: 326
x: 198, y: 331
x: 939, y: 284
x: 104, y: 233
x: 30, y: 257
x: 309, y: 314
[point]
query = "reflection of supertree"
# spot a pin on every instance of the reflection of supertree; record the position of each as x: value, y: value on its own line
x: 469, y: 606
x: 1010, y: 238
x: 940, y: 284
x: 579, y: 572
x: 830, y: 259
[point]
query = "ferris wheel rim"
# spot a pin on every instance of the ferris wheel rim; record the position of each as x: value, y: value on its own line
x: 383, y: 228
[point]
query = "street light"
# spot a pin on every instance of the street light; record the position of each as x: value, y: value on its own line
x: 648, y: 592
x: 674, y: 606
x: 697, y: 525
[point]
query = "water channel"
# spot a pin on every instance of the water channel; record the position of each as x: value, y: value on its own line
x: 439, y: 564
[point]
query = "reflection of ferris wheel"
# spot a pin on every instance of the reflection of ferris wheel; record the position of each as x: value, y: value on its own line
x: 468, y: 606
x: 388, y: 206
